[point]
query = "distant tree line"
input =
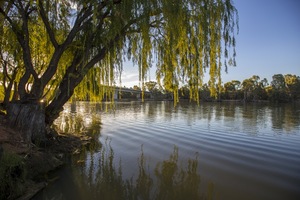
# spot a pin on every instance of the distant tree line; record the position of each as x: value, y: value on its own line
x: 282, y: 88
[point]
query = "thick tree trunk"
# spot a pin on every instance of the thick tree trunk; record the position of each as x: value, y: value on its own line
x: 55, y: 107
x: 29, y: 119
x: 71, y: 79
x: 66, y: 88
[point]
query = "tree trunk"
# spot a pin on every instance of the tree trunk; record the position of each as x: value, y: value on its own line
x: 55, y: 107
x: 66, y: 88
x: 29, y: 119
x: 71, y: 79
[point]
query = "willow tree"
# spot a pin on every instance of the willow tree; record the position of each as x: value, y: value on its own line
x: 78, y: 46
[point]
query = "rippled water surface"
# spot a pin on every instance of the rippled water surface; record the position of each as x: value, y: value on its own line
x: 154, y: 150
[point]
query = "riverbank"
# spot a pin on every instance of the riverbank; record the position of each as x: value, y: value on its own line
x: 24, y: 166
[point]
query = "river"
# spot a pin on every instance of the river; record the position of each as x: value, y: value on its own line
x: 153, y: 150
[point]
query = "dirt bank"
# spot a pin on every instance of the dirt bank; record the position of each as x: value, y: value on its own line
x: 24, y: 166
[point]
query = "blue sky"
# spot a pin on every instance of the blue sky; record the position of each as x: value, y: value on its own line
x: 268, y: 42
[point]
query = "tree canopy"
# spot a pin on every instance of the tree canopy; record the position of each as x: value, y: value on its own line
x: 56, y: 48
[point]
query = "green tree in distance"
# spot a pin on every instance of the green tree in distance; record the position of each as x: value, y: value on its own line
x: 278, y: 88
x: 248, y: 87
x: 185, y: 37
x: 293, y: 86
x: 135, y: 87
x: 278, y: 82
x: 151, y: 86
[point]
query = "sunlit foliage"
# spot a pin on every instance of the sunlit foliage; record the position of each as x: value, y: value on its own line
x: 70, y: 43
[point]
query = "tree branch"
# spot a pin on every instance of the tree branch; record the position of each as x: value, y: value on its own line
x: 47, y: 25
x: 25, y: 43
x: 10, y: 21
x: 81, y: 22
x: 52, y: 67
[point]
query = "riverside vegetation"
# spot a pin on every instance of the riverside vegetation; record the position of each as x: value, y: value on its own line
x: 51, y: 51
x: 281, y: 89
x: 24, y: 166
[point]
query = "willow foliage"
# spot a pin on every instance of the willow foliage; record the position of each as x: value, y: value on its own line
x: 68, y: 44
x: 183, y: 39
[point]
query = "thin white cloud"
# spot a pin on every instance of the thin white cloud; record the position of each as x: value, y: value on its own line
x: 129, y: 79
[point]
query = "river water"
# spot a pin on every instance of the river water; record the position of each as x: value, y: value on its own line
x: 153, y: 150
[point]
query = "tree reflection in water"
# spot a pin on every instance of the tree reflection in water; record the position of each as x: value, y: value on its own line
x: 272, y: 128
x: 99, y: 177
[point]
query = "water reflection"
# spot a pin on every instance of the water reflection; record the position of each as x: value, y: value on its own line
x: 285, y: 117
x: 98, y: 177
x: 80, y: 117
x: 242, y: 147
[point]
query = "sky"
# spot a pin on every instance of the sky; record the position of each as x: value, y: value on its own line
x: 268, y: 42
